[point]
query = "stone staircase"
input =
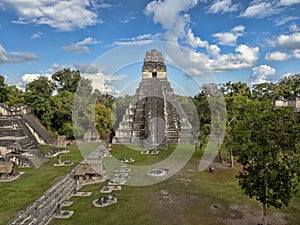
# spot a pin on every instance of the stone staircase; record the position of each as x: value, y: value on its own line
x: 36, y: 158
x: 34, y: 123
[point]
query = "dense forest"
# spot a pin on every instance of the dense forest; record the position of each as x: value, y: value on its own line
x: 52, y: 101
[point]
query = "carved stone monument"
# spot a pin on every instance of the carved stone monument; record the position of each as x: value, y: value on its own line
x: 155, y: 116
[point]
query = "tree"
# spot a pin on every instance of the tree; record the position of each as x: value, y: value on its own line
x: 67, y: 79
x: 61, y: 119
x: 3, y: 90
x: 266, y: 146
x: 290, y: 85
x: 38, y: 95
x: 266, y: 91
x: 14, y: 96
x: 235, y: 95
x: 204, y: 116
x: 103, y: 119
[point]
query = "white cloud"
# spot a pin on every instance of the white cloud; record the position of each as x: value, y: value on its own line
x: 261, y: 73
x: 277, y: 56
x: 230, y: 38
x: 15, y: 57
x: 29, y: 77
x: 144, y: 42
x: 79, y: 47
x: 202, y: 57
x: 88, y: 41
x: 76, y: 48
x: 246, y: 57
x: 222, y: 6
x: 260, y: 9
x: 103, y: 82
x: 289, y: 2
x: 93, y: 72
x: 171, y: 15
x: 36, y: 35
x: 289, y: 42
x: 139, y: 40
x: 296, y: 53
x: 285, y: 20
x: 294, y: 27
x: 64, y: 15
x: 128, y: 18
x: 198, y: 63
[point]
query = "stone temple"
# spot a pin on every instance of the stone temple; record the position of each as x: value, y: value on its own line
x: 20, y: 135
x: 155, y: 117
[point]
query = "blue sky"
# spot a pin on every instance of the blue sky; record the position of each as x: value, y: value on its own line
x: 251, y: 41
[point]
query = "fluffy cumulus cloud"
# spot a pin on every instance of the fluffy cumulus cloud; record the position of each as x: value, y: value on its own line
x: 172, y: 15
x: 29, y: 77
x: 94, y: 72
x: 64, y: 15
x: 277, y: 56
x: 289, y: 42
x: 199, y: 57
x: 230, y: 38
x: 15, y: 57
x: 222, y: 6
x: 80, y: 47
x: 104, y: 83
x: 261, y: 73
x: 294, y: 27
x: 296, y: 53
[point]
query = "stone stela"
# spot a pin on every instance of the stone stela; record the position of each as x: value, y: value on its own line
x: 155, y: 117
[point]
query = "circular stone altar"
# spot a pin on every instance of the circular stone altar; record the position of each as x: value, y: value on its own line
x: 158, y: 172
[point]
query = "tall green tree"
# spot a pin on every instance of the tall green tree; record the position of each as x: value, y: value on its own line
x: 67, y: 79
x: 204, y: 116
x: 38, y: 95
x: 3, y: 90
x: 103, y: 119
x: 266, y: 139
x: 290, y: 85
x: 15, y: 96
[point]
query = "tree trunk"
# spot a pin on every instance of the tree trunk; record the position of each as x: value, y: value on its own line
x: 231, y: 156
x: 264, y: 214
x: 221, y: 156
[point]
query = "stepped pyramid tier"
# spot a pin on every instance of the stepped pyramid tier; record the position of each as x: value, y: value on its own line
x: 20, y: 134
x: 155, y: 117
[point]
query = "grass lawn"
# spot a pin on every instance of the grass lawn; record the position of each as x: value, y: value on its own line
x: 18, y: 194
x: 189, y: 197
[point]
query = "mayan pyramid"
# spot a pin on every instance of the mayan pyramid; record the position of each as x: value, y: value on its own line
x: 155, y: 117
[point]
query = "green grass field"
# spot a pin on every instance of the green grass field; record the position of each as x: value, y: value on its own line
x: 189, y: 197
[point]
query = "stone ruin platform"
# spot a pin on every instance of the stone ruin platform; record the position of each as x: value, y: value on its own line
x: 64, y: 214
x: 81, y: 194
x: 110, y: 188
x: 67, y: 203
x: 66, y: 163
x: 105, y: 201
